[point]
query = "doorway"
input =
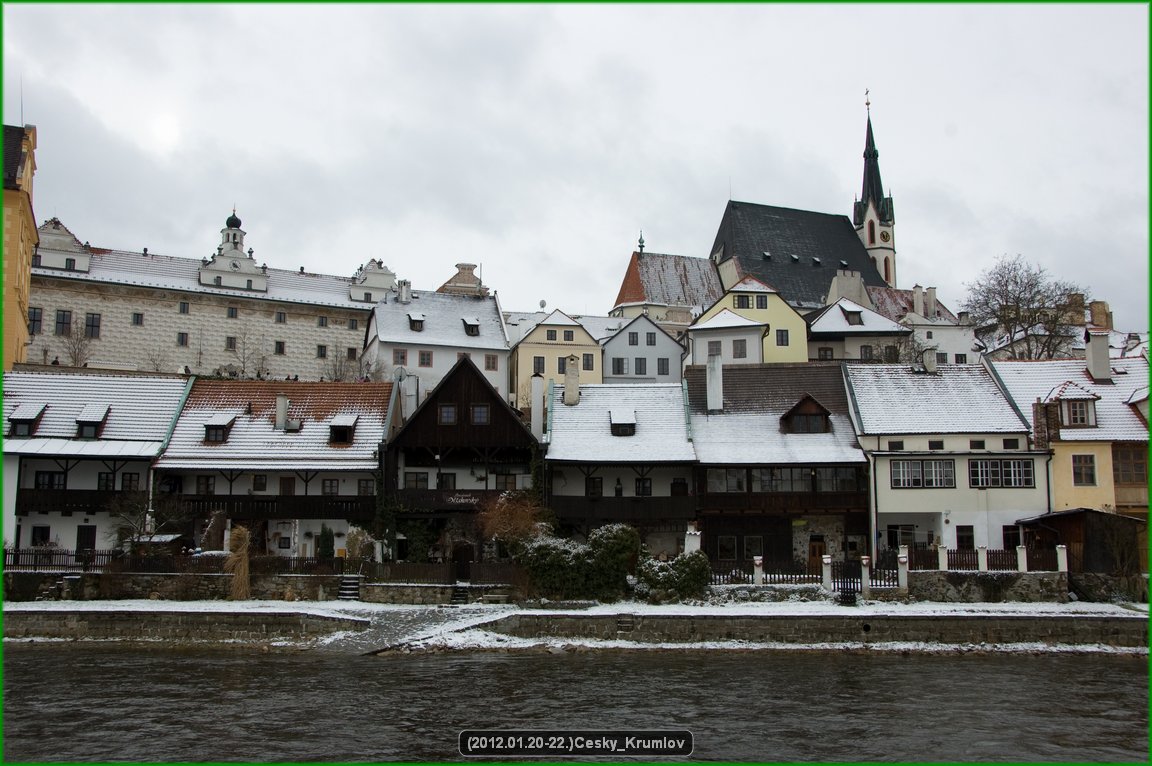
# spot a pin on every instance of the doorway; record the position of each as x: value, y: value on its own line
x: 816, y: 551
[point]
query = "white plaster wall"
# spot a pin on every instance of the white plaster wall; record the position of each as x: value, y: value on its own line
x: 11, y: 482
x: 698, y: 344
x: 444, y: 358
x: 568, y: 481
x: 665, y: 347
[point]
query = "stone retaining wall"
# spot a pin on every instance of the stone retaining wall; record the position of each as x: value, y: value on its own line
x: 988, y: 587
x: 27, y: 586
x: 173, y: 626
x: 817, y: 629
x: 412, y: 593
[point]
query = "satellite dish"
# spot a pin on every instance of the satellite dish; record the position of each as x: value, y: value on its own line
x: 543, y: 304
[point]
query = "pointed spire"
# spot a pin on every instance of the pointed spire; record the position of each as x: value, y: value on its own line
x: 873, y: 188
x: 641, y: 240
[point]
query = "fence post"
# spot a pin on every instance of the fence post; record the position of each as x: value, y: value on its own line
x: 902, y: 569
x: 982, y: 558
x: 826, y: 572
x: 757, y: 570
x: 865, y: 577
x: 942, y: 558
x: 1021, y: 558
x: 1061, y: 558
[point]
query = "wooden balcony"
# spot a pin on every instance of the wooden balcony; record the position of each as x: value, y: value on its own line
x: 66, y: 501
x: 623, y: 509
x: 784, y: 502
x: 260, y: 507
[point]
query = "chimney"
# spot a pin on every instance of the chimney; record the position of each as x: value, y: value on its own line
x: 1076, y: 309
x: 281, y: 412
x: 572, y: 380
x: 963, y: 317
x: 405, y: 288
x: 536, y: 406
x: 930, y: 302
x: 930, y: 360
x: 715, y: 381
x: 1096, y: 351
x: 918, y: 300
x: 1101, y: 316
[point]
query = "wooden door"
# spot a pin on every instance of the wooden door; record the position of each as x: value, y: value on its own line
x: 85, y: 537
x: 287, y: 486
x: 816, y: 551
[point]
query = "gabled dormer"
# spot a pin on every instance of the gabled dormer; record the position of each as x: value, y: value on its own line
x: 342, y: 430
x: 1077, y: 405
x: 25, y: 419
x: 622, y: 422
x: 807, y: 416
x: 91, y: 420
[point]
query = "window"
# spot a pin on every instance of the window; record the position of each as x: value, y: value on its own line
x: 281, y: 317
x: 961, y: 359
x: 589, y: 362
x: 761, y: 301
x: 753, y: 544
x: 35, y: 259
x: 22, y: 428
x: 233, y: 312
x: 895, y: 445
x: 446, y: 415
x: 353, y: 324
x: 569, y: 335
x: 650, y: 338
x: 183, y: 307
x: 742, y: 301
x: 1077, y: 412
x: 824, y: 352
x: 891, y: 354
x: 330, y: 487
x: 63, y: 322
x: 35, y: 321
x: 550, y: 334
x: 425, y: 359
x: 205, y: 485
x: 321, y: 352
x: 562, y: 365
x: 965, y: 537
x: 181, y: 339
x: 623, y: 429
x: 49, y: 480
x: 215, y: 434
x: 87, y: 430
x: 366, y: 487
x: 975, y: 444
x: 248, y: 284
x: 644, y: 486
x: 929, y: 334
x: 91, y: 325
x: 480, y: 415
x: 230, y: 343
x: 537, y: 365
x: 416, y: 324
x: 906, y: 474
x: 781, y: 337
x: 367, y: 296
x: 321, y: 321
x: 69, y: 264
x: 1130, y: 466
x: 399, y: 356
x: 739, y: 349
x: 350, y: 354
x: 130, y: 482
x: 1084, y: 470
x: 662, y: 366
x: 105, y: 481
x: 726, y: 547
x: 593, y: 486
x: 40, y: 534
x: 866, y: 353
x: 854, y: 317
x: 633, y: 339
x: 137, y: 319
x: 1011, y: 536
x: 505, y: 482
x: 941, y: 357
x: 619, y: 365
x: 446, y: 481
x: 838, y: 479
x: 807, y: 424
x: 415, y: 480
x: 259, y: 482
x: 726, y: 480
x: 491, y: 362
x: 341, y: 434
x: 714, y: 348
x: 935, y: 444
x: 278, y: 348
x: 641, y: 366
x: 983, y: 474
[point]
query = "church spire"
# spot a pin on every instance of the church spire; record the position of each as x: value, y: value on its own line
x: 872, y: 214
x: 873, y: 187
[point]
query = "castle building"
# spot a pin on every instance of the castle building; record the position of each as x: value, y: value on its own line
x: 20, y: 237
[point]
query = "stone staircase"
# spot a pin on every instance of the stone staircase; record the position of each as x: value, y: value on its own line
x: 349, y: 588
x: 459, y: 595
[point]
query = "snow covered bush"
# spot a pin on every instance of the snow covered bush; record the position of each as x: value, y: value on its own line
x: 562, y: 568
x: 684, y: 577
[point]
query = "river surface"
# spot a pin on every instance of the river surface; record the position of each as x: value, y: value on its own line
x: 99, y: 702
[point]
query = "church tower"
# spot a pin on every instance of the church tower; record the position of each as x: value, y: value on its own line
x: 872, y: 213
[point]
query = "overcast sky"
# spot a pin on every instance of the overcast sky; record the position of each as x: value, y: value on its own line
x: 539, y: 140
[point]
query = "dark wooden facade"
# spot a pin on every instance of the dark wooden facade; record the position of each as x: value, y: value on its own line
x: 1100, y: 542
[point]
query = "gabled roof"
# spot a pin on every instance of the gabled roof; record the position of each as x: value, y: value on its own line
x: 894, y: 303
x: 1069, y: 390
x: 633, y: 325
x: 602, y: 328
x: 795, y: 251
x: 1116, y: 418
x: 582, y: 432
x: 254, y: 442
x: 756, y: 397
x: 958, y: 399
x: 441, y: 314
x: 834, y: 320
x: 138, y: 409
x: 669, y: 280
x: 726, y: 319
x: 750, y: 285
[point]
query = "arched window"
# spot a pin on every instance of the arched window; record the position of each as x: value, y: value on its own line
x: 871, y: 232
x: 887, y: 272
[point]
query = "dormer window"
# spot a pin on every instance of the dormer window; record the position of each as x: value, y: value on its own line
x: 69, y: 264
x: 24, y: 419
x: 807, y: 417
x: 623, y: 422
x: 416, y: 321
x: 342, y: 429
x: 853, y: 317
x: 1078, y: 413
x: 217, y: 428
x: 471, y: 327
x: 90, y: 421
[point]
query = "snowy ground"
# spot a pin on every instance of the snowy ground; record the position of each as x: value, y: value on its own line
x: 453, y: 627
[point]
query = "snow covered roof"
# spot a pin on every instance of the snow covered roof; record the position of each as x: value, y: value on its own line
x: 726, y: 319
x: 1116, y: 418
x: 845, y: 317
x: 254, y: 442
x: 959, y: 398
x: 750, y: 285
x: 756, y: 397
x: 583, y: 432
x: 894, y: 303
x: 441, y: 315
x: 175, y: 273
x: 1069, y: 390
x: 669, y: 280
x: 602, y: 328
x: 139, y: 410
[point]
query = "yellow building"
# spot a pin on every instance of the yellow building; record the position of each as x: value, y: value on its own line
x: 785, y: 334
x: 545, y: 348
x: 20, y: 237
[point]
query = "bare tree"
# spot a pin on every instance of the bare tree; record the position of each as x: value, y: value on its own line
x: 340, y: 368
x: 77, y: 344
x: 251, y: 354
x: 157, y: 360
x: 1022, y: 308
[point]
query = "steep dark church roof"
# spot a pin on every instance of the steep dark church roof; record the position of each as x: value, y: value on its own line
x: 873, y: 189
x: 797, y: 252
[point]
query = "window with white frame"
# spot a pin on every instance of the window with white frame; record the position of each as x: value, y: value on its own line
x: 983, y: 474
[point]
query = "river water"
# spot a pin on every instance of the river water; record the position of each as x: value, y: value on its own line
x: 98, y: 702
